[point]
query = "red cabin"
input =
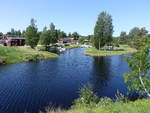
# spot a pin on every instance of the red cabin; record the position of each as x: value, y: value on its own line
x: 14, y: 41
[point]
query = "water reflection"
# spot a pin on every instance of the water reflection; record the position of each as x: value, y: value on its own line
x: 101, y: 71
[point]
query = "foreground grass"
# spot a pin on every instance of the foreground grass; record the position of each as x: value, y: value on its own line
x: 19, y: 54
x: 123, y: 49
x: 139, y: 106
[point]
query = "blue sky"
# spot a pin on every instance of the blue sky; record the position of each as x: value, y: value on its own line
x: 74, y: 15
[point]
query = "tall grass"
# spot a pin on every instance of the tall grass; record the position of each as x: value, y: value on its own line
x: 88, y: 102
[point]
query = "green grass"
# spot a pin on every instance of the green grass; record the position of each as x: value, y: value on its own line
x: 123, y: 49
x: 72, y: 46
x: 19, y: 54
x: 139, y: 106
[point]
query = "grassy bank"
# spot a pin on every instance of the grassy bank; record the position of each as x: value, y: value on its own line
x: 20, y: 54
x: 72, y: 46
x: 123, y: 49
x: 139, y: 106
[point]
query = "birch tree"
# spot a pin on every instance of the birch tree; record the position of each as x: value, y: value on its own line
x: 138, y: 79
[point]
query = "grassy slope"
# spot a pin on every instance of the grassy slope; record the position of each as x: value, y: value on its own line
x: 139, y: 106
x: 19, y: 54
x: 123, y: 49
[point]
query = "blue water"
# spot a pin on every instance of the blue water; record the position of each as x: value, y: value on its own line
x: 32, y: 86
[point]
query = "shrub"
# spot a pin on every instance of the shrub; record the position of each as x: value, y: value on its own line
x: 87, y: 97
x: 105, y: 101
x: 121, y: 98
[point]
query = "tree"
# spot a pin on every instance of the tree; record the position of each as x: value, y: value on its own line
x: 123, y: 37
x: 69, y: 35
x: 31, y: 34
x: 61, y: 34
x: 145, y: 41
x: 134, y: 32
x: 44, y: 37
x: 11, y: 32
x: 75, y: 35
x: 23, y: 33
x: 143, y: 31
x: 138, y: 78
x: 135, y: 36
x: 53, y: 33
x: 103, y: 30
x: 14, y: 33
x: 1, y: 35
x: 18, y: 33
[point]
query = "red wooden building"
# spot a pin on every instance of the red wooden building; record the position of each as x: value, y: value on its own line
x: 14, y: 41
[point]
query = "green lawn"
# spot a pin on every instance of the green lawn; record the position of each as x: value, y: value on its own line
x: 139, y: 106
x: 123, y: 49
x: 72, y: 46
x: 20, y: 54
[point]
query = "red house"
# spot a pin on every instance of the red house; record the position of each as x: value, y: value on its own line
x: 14, y: 41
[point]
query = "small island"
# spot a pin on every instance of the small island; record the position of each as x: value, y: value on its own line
x: 121, y: 50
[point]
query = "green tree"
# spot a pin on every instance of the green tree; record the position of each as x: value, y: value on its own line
x: 123, y: 37
x: 135, y: 36
x: 143, y: 31
x: 75, y: 35
x: 11, y: 32
x: 145, y: 41
x: 18, y: 33
x: 69, y: 35
x: 44, y: 37
x: 1, y: 35
x: 61, y: 34
x: 23, y: 33
x: 53, y: 33
x: 138, y: 78
x: 31, y: 34
x: 103, y: 30
x: 134, y: 32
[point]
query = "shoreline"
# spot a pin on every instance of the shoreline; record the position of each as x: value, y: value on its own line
x: 14, y: 55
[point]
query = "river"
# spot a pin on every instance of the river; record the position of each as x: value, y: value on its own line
x: 32, y: 86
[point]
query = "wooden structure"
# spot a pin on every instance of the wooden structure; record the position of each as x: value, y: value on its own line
x: 67, y: 41
x: 14, y: 41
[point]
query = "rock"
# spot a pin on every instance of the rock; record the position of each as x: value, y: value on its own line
x: 2, y: 62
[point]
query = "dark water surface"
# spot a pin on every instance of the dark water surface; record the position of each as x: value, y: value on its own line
x: 33, y: 86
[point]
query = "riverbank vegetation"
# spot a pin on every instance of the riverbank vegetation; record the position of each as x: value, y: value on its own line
x: 88, y: 102
x: 20, y: 54
x: 107, y: 106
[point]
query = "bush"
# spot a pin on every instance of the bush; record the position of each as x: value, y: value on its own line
x: 105, y: 101
x: 87, y: 97
x: 33, y: 57
x: 121, y: 98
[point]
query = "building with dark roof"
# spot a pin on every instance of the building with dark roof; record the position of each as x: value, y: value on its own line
x: 14, y: 41
x: 67, y: 41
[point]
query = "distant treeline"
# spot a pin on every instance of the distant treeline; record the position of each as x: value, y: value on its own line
x: 59, y: 33
x: 133, y: 38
